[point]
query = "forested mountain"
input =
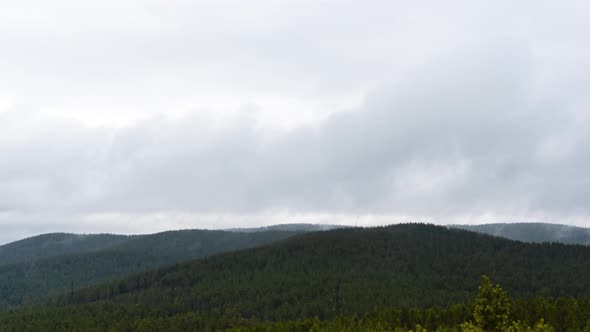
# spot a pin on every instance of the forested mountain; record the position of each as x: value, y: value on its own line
x: 325, y: 275
x: 54, y: 244
x: 534, y: 232
x: 24, y: 281
x: 57, y: 244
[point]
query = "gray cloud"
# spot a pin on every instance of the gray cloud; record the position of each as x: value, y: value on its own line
x: 465, y: 135
x: 461, y: 116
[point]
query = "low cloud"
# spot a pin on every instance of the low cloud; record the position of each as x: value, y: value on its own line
x: 466, y: 136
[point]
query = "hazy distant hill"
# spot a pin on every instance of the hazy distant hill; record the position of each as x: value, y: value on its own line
x: 534, y: 232
x: 289, y: 227
x: 325, y: 274
x: 23, y: 281
x: 54, y: 244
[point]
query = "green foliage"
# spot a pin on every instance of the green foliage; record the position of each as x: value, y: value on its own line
x: 470, y: 327
x: 540, y: 326
x: 492, y: 307
x: 492, y: 312
x: 105, y: 316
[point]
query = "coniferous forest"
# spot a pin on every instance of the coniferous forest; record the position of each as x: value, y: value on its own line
x: 55, y: 263
x: 398, y: 278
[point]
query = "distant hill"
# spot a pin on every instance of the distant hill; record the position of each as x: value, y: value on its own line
x: 289, y: 227
x: 324, y: 274
x: 57, y: 244
x: 534, y: 232
x: 23, y: 281
x: 54, y: 244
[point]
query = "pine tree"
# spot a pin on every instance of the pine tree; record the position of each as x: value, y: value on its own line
x: 492, y: 309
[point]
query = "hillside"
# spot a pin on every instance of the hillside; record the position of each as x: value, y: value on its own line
x: 55, y: 244
x: 24, y: 281
x: 339, y: 272
x: 534, y: 232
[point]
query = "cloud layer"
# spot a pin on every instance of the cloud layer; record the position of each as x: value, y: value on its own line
x: 465, y: 136
x: 393, y: 111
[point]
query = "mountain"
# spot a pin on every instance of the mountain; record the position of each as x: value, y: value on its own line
x: 347, y: 272
x: 54, y: 244
x: 290, y: 227
x: 534, y: 232
x: 23, y: 281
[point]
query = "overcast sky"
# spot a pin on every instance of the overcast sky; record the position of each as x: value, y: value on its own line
x: 139, y: 116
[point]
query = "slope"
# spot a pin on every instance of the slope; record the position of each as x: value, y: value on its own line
x: 24, y: 281
x: 54, y: 244
x: 534, y: 232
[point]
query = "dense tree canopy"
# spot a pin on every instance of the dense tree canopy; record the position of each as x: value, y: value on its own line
x: 377, y: 279
x: 117, y: 257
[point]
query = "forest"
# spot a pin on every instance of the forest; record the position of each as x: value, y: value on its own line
x: 394, y: 278
x: 55, y: 263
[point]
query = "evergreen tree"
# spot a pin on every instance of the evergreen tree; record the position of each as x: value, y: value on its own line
x: 492, y: 307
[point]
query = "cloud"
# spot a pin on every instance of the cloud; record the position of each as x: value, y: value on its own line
x: 142, y: 112
x: 467, y: 135
x: 119, y: 61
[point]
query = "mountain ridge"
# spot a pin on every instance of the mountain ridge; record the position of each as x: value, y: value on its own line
x: 54, y: 244
x: 383, y: 263
x: 348, y: 272
x: 26, y: 280
x: 533, y: 232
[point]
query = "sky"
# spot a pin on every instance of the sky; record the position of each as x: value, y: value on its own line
x: 141, y: 116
